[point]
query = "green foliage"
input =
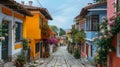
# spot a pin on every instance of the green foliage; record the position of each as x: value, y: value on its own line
x: 62, y: 32
x: 25, y: 44
x: 78, y: 36
x: 116, y: 27
x: 68, y: 47
x: 77, y: 53
x: 54, y: 28
x: 21, y: 59
x: 2, y: 26
x: 105, y: 39
x: 45, y: 30
x: 104, y: 47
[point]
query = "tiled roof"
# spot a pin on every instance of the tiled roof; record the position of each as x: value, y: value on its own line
x: 85, y: 9
x: 16, y: 6
x: 44, y: 11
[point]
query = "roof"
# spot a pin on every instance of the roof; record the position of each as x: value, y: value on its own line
x: 85, y: 9
x: 68, y: 32
x: 15, y: 6
x: 51, y: 32
x: 44, y: 11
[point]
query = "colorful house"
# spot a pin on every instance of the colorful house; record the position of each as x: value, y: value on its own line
x: 11, y: 19
x: 80, y: 22
x: 80, y: 25
x: 35, y: 29
x: 113, y: 58
x: 92, y: 14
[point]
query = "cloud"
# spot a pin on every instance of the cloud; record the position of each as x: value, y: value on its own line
x: 62, y: 11
x: 60, y: 21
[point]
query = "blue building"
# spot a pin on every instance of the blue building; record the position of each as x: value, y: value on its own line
x: 92, y: 14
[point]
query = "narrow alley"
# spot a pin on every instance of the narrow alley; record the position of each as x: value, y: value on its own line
x: 59, y: 33
x: 61, y: 58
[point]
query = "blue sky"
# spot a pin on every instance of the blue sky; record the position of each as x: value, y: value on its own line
x: 62, y: 11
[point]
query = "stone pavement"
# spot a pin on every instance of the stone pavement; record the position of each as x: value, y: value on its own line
x: 61, y: 58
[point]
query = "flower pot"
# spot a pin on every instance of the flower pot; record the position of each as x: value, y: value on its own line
x: 99, y: 65
x: 21, y: 65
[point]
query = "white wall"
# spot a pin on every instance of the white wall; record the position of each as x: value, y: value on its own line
x: 11, y: 50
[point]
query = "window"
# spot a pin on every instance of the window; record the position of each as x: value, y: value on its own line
x: 87, y: 24
x: 18, y: 33
x: 37, y: 47
x: 118, y: 5
x: 94, y: 23
x: 118, y: 45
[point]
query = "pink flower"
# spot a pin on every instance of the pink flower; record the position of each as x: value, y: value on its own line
x: 110, y: 34
x: 112, y: 22
x: 108, y: 27
x: 103, y: 20
x: 102, y: 31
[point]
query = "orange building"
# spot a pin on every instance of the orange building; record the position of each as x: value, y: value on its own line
x: 32, y: 29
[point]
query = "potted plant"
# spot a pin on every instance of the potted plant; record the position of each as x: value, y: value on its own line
x: 77, y: 53
x: 25, y: 44
x: 47, y: 54
x: 25, y: 47
x: 20, y: 61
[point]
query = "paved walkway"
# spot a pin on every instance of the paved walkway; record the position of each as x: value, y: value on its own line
x: 61, y: 58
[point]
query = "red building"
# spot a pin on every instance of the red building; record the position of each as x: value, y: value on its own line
x: 113, y: 58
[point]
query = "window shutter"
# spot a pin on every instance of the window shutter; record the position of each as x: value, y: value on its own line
x: 118, y: 45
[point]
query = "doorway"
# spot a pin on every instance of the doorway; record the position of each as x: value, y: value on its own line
x: 5, y: 33
x: 41, y: 49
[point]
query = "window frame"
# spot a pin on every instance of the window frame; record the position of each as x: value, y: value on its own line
x: 37, y: 47
x: 20, y: 32
x: 96, y: 19
x: 118, y: 45
x: 118, y: 4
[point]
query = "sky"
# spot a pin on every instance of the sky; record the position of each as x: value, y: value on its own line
x: 63, y: 12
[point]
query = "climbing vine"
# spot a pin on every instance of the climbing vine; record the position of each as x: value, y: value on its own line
x: 107, y: 31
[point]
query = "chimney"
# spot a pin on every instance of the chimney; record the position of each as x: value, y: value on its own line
x: 22, y: 2
x: 30, y: 3
x: 89, y: 4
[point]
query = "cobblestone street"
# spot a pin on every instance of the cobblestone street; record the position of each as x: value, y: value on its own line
x: 61, y: 58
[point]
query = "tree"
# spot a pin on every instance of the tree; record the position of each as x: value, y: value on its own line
x: 78, y: 36
x: 62, y: 32
x: 54, y: 28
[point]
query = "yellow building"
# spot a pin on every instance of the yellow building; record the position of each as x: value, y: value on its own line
x: 33, y: 27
